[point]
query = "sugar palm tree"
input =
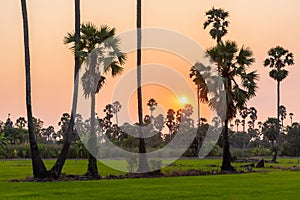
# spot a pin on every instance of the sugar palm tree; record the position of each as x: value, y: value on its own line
x: 57, y: 167
x: 198, y: 80
x: 38, y: 166
x: 237, y: 123
x: 244, y: 114
x: 278, y: 59
x: 152, y: 105
x: 231, y: 64
x: 217, y: 17
x: 143, y: 162
x: 253, y: 115
x: 239, y: 85
x: 116, y: 108
x: 93, y: 48
x: 170, y: 121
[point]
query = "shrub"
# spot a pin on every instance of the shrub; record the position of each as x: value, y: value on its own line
x: 260, y: 151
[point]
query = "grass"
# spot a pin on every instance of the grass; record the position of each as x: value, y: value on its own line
x: 275, y: 184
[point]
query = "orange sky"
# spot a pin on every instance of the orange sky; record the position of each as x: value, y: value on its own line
x: 257, y: 24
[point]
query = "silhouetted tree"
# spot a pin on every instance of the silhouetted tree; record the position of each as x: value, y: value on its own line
x: 152, y: 105
x: 240, y: 86
x: 143, y: 162
x: 116, y: 108
x: 217, y: 17
x: 38, y: 166
x: 278, y: 59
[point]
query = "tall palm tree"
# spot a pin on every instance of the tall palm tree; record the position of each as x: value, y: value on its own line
x: 57, y: 167
x: 231, y: 64
x: 278, y: 59
x: 217, y: 17
x: 143, y: 162
x: 92, y: 48
x: 198, y: 80
x: 239, y: 85
x: 38, y: 166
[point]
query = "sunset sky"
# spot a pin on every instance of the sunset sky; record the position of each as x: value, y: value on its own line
x: 258, y: 24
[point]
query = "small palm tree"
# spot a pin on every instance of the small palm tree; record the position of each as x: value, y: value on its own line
x: 116, y: 108
x: 237, y: 123
x: 217, y: 17
x: 244, y: 114
x: 152, y: 105
x: 278, y: 59
x: 253, y: 115
x: 170, y: 121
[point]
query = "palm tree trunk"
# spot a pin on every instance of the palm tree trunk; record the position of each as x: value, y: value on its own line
x: 278, y: 124
x: 92, y: 141
x: 198, y: 130
x: 226, y: 162
x: 92, y: 164
x: 38, y: 166
x: 117, y: 120
x: 143, y: 163
x: 244, y: 134
x: 57, y: 167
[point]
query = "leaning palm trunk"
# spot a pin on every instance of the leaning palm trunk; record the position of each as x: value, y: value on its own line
x: 38, y: 166
x: 143, y: 163
x: 57, y: 168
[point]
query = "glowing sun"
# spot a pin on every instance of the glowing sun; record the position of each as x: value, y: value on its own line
x: 183, y: 100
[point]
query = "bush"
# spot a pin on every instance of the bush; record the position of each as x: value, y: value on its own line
x: 260, y: 151
x: 132, y: 163
x: 216, y: 151
x: 240, y: 153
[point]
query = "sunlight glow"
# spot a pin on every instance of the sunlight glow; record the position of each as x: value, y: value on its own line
x: 183, y: 100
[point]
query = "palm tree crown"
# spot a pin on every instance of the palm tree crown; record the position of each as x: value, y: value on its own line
x: 232, y: 63
x: 217, y: 17
x: 101, y: 43
x: 277, y: 60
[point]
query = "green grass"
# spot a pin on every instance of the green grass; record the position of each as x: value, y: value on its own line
x: 275, y: 184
